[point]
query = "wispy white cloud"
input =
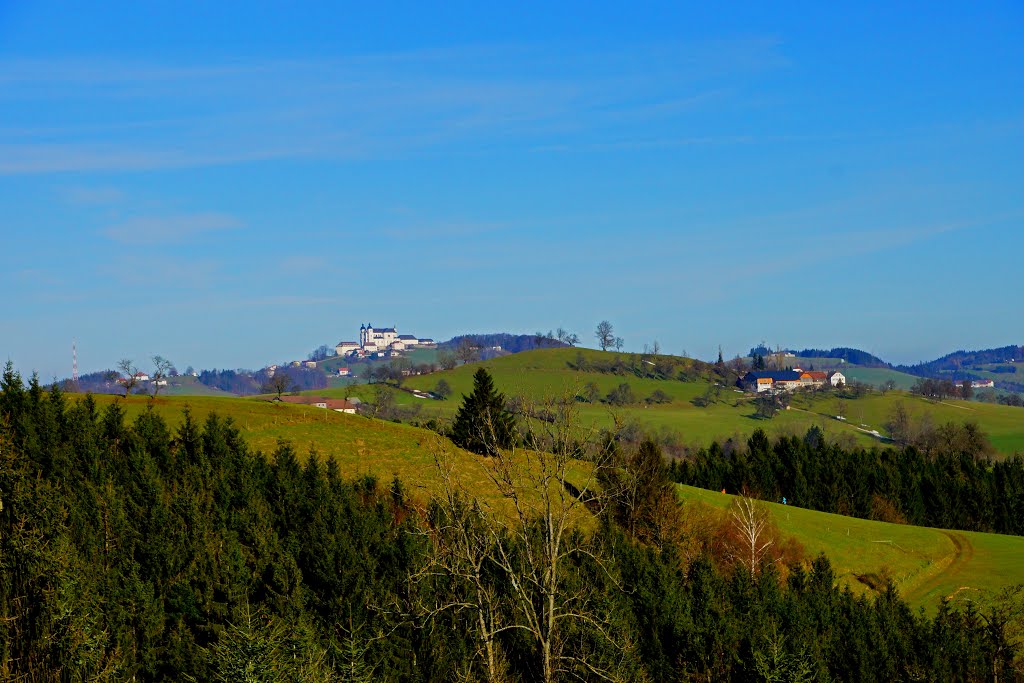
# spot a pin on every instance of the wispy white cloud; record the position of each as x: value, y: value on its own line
x: 287, y: 300
x: 851, y: 244
x: 158, y: 273
x: 443, y: 230
x: 89, y: 196
x: 374, y: 106
x: 151, y: 230
x: 61, y: 157
x: 297, y: 264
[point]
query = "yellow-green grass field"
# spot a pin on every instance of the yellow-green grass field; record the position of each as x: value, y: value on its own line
x: 545, y: 374
x: 926, y: 564
x: 360, y: 445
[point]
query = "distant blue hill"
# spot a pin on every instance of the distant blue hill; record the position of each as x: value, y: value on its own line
x: 509, y: 343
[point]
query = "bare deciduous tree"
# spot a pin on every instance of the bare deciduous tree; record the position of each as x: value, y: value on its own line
x: 462, y: 550
x: 467, y: 351
x: 567, y: 337
x: 531, y: 544
x: 751, y: 528
x: 605, y: 334
x: 130, y: 373
x: 447, y: 360
x: 161, y: 367
x: 279, y: 383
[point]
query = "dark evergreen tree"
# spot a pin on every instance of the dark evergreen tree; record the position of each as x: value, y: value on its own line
x: 131, y: 551
x: 483, y: 423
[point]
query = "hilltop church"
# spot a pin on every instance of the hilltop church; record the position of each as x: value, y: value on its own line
x: 381, y: 341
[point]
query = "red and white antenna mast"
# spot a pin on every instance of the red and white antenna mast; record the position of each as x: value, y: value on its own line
x: 74, y: 362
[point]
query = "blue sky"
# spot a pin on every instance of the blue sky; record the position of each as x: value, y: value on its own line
x: 235, y: 185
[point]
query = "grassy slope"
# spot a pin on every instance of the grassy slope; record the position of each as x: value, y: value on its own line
x: 190, y: 386
x: 986, y: 372
x: 926, y: 564
x: 879, y: 376
x: 360, y: 445
x: 545, y: 374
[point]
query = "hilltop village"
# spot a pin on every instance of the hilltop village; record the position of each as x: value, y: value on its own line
x: 381, y: 342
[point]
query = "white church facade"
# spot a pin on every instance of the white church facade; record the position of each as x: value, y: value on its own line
x: 379, y: 340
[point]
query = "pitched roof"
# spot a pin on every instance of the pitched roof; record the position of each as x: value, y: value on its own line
x: 331, y: 403
x: 773, y: 375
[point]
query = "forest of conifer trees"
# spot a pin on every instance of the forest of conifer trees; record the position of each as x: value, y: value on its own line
x: 952, y: 488
x: 131, y: 551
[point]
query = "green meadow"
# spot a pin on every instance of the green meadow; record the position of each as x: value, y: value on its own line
x: 925, y: 564
x: 546, y: 374
x: 360, y: 445
x: 876, y: 377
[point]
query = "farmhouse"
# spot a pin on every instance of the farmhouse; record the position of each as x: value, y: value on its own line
x: 782, y: 380
x: 837, y: 378
x: 340, y: 405
x: 813, y: 378
x: 771, y: 380
x: 983, y: 384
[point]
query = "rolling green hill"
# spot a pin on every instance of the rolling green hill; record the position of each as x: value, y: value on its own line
x: 925, y: 564
x: 360, y: 445
x: 546, y: 374
x: 876, y: 377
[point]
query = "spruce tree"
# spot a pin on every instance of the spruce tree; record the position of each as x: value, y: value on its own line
x: 483, y: 424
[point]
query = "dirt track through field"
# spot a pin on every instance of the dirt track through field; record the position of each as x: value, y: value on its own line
x: 949, y: 566
x: 953, y: 405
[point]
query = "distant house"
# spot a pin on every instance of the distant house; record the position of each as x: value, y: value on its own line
x: 813, y: 378
x: 771, y: 380
x: 309, y: 363
x: 346, y: 347
x: 344, y: 372
x: 837, y: 378
x: 983, y: 384
x: 339, y: 405
x: 141, y: 377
